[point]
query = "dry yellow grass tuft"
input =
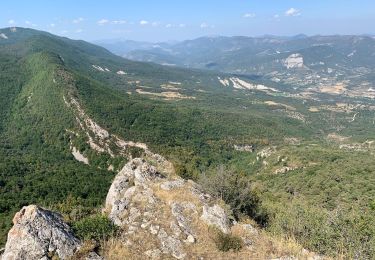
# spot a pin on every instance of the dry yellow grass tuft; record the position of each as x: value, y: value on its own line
x: 114, y: 249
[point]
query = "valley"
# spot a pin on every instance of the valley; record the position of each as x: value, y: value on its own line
x: 296, y: 135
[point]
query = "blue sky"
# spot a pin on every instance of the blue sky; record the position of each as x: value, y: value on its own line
x: 162, y: 20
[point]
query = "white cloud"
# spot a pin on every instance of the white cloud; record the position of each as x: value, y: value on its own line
x: 168, y: 25
x: 103, y: 21
x: 119, y: 22
x: 155, y: 24
x: 11, y: 21
x: 182, y: 25
x: 276, y: 16
x: 52, y: 25
x: 78, y: 20
x: 292, y: 12
x: 78, y: 31
x: 143, y: 22
x: 64, y: 32
x: 204, y: 25
x: 30, y: 24
x: 249, y: 15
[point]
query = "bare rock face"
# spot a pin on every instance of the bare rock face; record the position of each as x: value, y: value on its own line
x: 129, y: 185
x: 217, y: 217
x: 160, y: 215
x: 39, y: 234
x: 294, y: 61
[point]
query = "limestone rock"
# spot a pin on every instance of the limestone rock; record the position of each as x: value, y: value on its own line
x: 130, y: 182
x: 171, y: 245
x: 93, y: 256
x: 250, y: 229
x: 137, y: 171
x: 170, y: 185
x: 294, y: 61
x: 153, y: 253
x: 179, y: 211
x: 216, y: 216
x: 38, y: 233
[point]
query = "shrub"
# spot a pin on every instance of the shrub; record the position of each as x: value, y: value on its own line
x: 225, y: 242
x: 95, y: 227
x: 236, y: 191
x: 72, y: 209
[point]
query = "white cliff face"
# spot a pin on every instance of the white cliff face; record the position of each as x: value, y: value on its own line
x: 294, y: 61
x: 37, y: 233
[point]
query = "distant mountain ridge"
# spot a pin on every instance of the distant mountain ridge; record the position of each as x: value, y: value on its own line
x: 298, y: 61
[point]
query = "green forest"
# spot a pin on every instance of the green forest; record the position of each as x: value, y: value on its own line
x: 326, y: 199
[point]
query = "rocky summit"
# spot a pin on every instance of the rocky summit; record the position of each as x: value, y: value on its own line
x: 159, y: 216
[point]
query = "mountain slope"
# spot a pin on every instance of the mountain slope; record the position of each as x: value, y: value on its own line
x: 39, y: 130
x: 73, y: 114
x: 303, y: 62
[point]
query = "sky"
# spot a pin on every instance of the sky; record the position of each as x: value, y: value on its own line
x: 168, y: 20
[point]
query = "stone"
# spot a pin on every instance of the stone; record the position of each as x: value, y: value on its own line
x: 130, y: 185
x: 137, y: 171
x: 216, y: 216
x: 183, y: 220
x: 294, y: 61
x: 38, y: 233
x: 175, y: 229
x: 94, y: 256
x: 171, y: 245
x: 134, y: 213
x: 171, y: 185
x: 190, y: 239
x: 250, y: 229
x: 197, y: 191
x: 153, y: 253
x: 154, y: 229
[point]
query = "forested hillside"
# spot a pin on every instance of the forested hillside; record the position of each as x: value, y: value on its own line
x: 308, y: 159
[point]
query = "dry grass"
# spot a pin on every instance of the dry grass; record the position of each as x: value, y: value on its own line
x: 177, y: 195
x: 272, y: 103
x: 335, y: 89
x: 314, y: 109
x: 337, y: 138
x: 168, y: 95
x: 87, y: 247
x: 263, y: 245
x: 114, y: 249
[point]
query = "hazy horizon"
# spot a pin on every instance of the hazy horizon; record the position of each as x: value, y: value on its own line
x: 168, y: 20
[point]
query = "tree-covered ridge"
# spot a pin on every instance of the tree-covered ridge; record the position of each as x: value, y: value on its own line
x: 306, y: 179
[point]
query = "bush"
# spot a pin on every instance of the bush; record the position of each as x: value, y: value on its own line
x: 236, y: 191
x: 225, y: 242
x: 72, y: 209
x: 95, y: 227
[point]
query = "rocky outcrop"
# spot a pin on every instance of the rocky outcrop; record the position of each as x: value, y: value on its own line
x: 129, y: 186
x: 160, y: 216
x: 39, y: 234
x: 294, y: 61
x: 216, y: 216
x: 167, y: 210
x: 170, y: 185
